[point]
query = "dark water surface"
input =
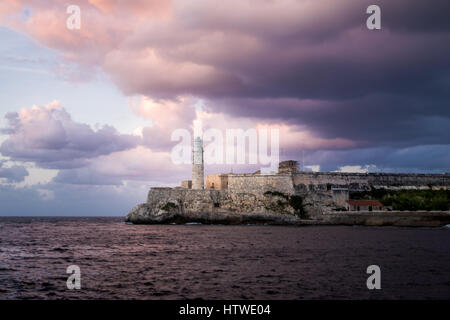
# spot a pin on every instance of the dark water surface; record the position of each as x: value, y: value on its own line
x: 120, y: 261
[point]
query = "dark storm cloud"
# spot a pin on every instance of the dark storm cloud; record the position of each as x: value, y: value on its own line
x: 370, y: 120
x: 324, y: 70
x: 416, y: 16
x: 385, y: 159
x: 315, y: 65
x: 300, y: 49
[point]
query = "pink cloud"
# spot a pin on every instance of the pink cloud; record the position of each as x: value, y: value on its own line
x: 167, y: 116
x: 140, y: 8
x: 138, y: 164
x: 105, y: 24
x: 166, y: 49
x: 292, y: 136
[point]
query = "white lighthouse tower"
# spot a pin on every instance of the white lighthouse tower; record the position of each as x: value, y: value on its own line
x: 197, y: 165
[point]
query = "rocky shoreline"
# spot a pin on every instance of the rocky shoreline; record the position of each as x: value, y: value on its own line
x: 180, y: 206
x: 143, y: 214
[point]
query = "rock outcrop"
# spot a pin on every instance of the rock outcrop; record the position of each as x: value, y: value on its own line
x: 167, y: 205
x: 143, y: 214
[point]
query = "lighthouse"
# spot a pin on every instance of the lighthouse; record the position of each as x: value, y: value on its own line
x: 197, y: 165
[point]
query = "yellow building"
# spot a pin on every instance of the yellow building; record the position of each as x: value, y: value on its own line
x: 217, y: 181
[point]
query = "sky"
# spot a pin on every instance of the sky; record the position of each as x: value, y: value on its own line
x: 86, y: 115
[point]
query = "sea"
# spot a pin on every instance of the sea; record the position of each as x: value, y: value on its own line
x: 117, y: 260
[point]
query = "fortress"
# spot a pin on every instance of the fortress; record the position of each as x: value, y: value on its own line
x: 286, y: 196
x: 322, y: 191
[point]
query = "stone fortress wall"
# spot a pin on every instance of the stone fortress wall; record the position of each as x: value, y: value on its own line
x: 328, y: 191
x: 248, y: 183
x: 322, y: 191
x: 290, y: 180
x: 338, y: 181
x: 381, y: 180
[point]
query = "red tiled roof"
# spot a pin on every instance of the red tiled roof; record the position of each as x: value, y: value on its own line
x: 364, y: 203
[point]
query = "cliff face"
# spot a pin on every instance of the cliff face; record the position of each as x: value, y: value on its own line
x: 167, y: 205
x: 143, y: 214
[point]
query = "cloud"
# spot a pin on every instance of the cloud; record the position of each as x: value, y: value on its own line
x: 312, y: 168
x: 374, y: 120
x: 358, y: 169
x: 238, y: 48
x: 138, y: 164
x: 422, y: 158
x: 50, y: 138
x: 46, y: 194
x: 13, y: 174
x: 56, y: 199
x: 311, y: 68
x: 86, y: 176
x: 309, y: 63
x: 167, y: 116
